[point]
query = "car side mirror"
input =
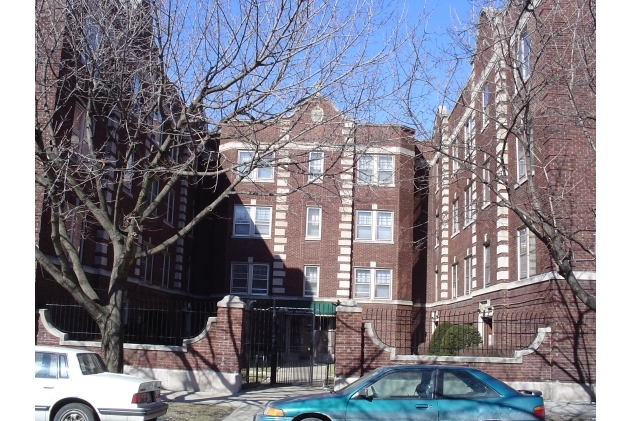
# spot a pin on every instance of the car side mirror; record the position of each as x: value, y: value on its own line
x: 364, y: 393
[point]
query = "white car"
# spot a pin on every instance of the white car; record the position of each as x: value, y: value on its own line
x: 74, y: 385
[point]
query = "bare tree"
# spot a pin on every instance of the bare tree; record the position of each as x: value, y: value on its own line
x: 129, y: 92
x: 535, y: 92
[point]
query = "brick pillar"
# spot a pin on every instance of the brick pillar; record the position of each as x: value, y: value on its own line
x: 226, y: 334
x: 348, y: 342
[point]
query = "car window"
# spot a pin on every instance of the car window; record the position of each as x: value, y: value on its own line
x: 403, y: 384
x: 91, y: 363
x: 462, y: 384
x: 46, y: 365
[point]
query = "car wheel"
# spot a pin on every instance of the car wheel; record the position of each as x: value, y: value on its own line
x: 75, y: 412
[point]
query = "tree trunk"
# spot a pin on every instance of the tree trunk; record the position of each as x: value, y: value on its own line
x: 112, y: 333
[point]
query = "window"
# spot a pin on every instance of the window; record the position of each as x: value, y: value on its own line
x: 521, y: 161
x: 256, y: 169
x: 92, y: 41
x: 438, y: 229
x: 436, y: 285
x: 527, y: 253
x: 486, y: 256
x: 174, y: 153
x: 522, y: 54
x: 374, y: 226
x: 454, y: 281
x: 153, y: 193
x: 486, y: 183
x: 468, y: 205
x: 373, y: 283
x: 455, y: 164
x: 170, y: 208
x: 460, y: 383
x: 468, y: 138
x: 146, y: 265
x: 468, y: 275
x: 455, y: 221
x: 410, y: 384
x: 252, y: 221
x: 314, y: 216
x: 166, y: 269
x: 129, y: 171
x: 46, y: 365
x: 249, y: 278
x: 485, y: 104
x: 316, y: 165
x: 79, y: 131
x: 311, y: 281
x: 376, y: 169
x: 75, y: 224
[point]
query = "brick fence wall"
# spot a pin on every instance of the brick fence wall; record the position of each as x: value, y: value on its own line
x: 211, y: 362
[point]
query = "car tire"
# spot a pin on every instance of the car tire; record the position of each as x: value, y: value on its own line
x: 75, y: 412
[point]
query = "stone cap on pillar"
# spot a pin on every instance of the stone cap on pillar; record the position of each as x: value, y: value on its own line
x: 348, y: 306
x: 231, y: 301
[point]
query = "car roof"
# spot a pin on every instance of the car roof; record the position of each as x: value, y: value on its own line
x: 67, y: 350
x: 431, y: 366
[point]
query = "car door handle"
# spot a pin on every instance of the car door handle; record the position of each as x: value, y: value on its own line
x: 422, y: 406
x: 49, y: 387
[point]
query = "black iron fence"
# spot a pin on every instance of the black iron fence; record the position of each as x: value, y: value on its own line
x: 156, y: 322
x: 455, y: 332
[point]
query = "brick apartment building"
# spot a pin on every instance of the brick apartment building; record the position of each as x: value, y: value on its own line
x: 519, y: 132
x: 89, y: 130
x: 331, y: 218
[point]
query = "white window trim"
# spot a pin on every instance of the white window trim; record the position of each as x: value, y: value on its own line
x: 375, y: 171
x: 373, y: 227
x: 469, y: 208
x: 485, y: 187
x: 455, y: 217
x: 252, y: 213
x: 454, y: 280
x: 308, y: 222
x: 317, y: 281
x: 469, y: 139
x: 316, y: 177
x: 468, y: 275
x: 522, y: 54
x: 521, y: 162
x: 254, y: 174
x: 530, y: 253
x: 372, y: 283
x: 455, y: 152
x: 486, y: 258
x: 250, y: 277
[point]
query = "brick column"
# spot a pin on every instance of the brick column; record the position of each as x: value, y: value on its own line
x: 348, y: 342
x: 226, y: 334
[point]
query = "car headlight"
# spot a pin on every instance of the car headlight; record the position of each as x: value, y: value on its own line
x: 270, y: 411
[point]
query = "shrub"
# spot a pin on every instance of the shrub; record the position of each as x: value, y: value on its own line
x: 458, y: 337
x: 437, y: 337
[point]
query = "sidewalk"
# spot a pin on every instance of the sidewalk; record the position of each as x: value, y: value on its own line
x: 248, y: 402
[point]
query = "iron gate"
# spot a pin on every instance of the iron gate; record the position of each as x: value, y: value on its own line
x: 288, y: 346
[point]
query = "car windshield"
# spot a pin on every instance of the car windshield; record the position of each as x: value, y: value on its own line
x: 91, y: 363
x: 364, y: 378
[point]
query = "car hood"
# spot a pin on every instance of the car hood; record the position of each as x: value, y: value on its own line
x: 331, y: 403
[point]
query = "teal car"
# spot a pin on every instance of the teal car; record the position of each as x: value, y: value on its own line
x: 414, y: 392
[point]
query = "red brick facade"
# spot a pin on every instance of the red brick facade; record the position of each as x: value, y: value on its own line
x: 518, y: 277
